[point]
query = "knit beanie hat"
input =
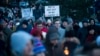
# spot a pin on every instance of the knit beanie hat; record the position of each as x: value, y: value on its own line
x: 38, y: 46
x: 54, y: 36
x: 19, y: 40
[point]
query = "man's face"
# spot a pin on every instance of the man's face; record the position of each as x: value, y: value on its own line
x: 57, y: 24
x: 40, y: 26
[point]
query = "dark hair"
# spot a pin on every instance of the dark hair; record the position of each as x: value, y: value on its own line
x: 50, y: 31
x: 39, y: 22
x: 24, y: 22
x: 3, y: 20
x: 84, y: 21
x: 70, y: 33
x: 56, y: 20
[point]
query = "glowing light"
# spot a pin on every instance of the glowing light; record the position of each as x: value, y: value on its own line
x: 66, y: 51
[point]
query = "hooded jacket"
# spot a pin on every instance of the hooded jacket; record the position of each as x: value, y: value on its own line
x: 53, y: 50
x: 18, y: 42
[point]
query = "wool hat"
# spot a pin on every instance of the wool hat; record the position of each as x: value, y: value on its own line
x: 38, y: 46
x: 19, y: 40
x: 54, y: 36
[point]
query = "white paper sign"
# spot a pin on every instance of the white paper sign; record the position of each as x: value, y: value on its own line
x: 44, y: 34
x: 52, y: 11
x: 27, y: 13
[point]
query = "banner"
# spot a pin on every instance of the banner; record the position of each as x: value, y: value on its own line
x: 52, y: 11
x: 27, y: 13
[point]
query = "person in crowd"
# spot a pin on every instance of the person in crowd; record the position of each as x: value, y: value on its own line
x: 6, y: 30
x: 92, y: 22
x: 93, y: 25
x: 67, y: 26
x: 91, y: 37
x: 61, y: 31
x: 2, y: 43
x: 38, y: 12
x: 76, y: 27
x: 11, y: 25
x: 39, y: 25
x: 24, y: 27
x: 51, y: 29
x: 21, y: 44
x: 49, y: 23
x: 3, y: 36
x: 39, y: 48
x: 6, y: 33
x: 65, y: 23
x: 71, y: 42
x: 53, y: 46
x: 82, y: 32
x: 30, y: 24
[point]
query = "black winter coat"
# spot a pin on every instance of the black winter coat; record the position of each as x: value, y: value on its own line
x: 54, y: 50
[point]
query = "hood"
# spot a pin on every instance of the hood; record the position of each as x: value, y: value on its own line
x: 19, y: 40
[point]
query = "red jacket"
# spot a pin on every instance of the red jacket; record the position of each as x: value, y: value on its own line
x: 36, y: 32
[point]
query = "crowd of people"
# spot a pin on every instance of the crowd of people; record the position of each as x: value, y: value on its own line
x: 58, y: 37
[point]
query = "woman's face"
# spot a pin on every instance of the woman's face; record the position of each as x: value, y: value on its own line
x: 28, y: 49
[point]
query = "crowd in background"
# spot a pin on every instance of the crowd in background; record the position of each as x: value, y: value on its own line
x: 39, y: 37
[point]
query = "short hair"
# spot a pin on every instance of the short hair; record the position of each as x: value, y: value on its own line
x: 70, y: 33
x: 39, y: 22
x: 57, y: 20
